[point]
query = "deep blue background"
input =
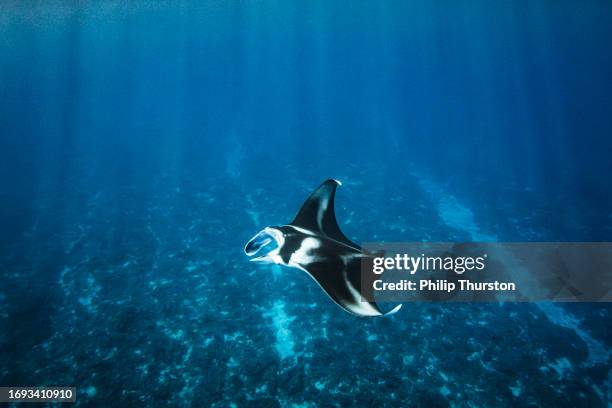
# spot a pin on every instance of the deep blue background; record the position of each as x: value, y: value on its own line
x: 141, y: 145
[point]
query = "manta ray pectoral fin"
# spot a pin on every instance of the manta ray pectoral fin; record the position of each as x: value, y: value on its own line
x: 369, y: 309
x: 393, y: 311
x: 318, y: 214
x: 340, y: 281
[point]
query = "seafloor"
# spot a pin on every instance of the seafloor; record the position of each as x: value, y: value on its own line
x: 141, y: 296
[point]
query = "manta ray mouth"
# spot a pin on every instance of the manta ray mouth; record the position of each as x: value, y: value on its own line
x: 269, y: 239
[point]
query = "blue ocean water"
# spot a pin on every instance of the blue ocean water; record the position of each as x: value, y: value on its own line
x: 143, y: 144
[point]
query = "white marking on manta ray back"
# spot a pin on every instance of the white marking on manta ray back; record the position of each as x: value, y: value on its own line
x: 302, y: 256
x: 302, y: 230
x: 320, y: 236
x: 321, y: 212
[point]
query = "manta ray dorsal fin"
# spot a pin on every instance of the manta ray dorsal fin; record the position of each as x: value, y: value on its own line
x: 318, y: 215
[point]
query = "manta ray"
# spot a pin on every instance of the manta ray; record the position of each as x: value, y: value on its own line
x: 314, y: 243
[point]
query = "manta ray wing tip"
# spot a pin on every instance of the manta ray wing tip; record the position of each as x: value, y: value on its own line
x: 394, y: 310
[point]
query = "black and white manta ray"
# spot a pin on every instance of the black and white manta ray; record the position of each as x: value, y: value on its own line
x: 314, y: 243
